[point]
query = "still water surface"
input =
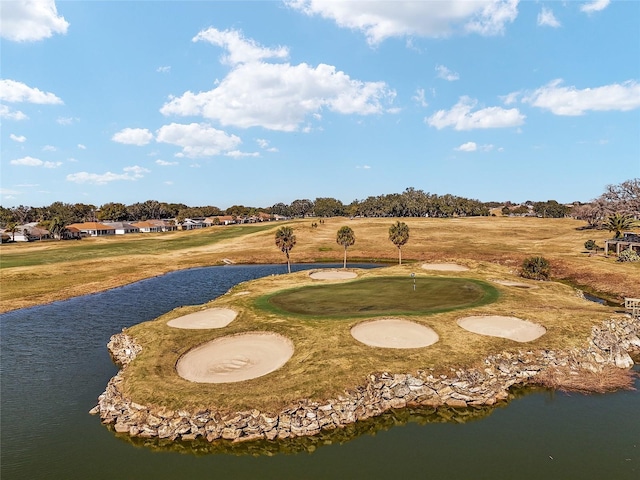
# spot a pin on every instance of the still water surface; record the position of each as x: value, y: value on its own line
x: 54, y: 364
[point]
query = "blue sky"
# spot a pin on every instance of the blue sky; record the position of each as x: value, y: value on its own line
x: 254, y: 103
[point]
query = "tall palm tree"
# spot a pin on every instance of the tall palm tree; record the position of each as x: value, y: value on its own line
x: 12, y: 228
x: 346, y: 238
x: 285, y: 241
x: 618, y: 223
x: 399, y: 235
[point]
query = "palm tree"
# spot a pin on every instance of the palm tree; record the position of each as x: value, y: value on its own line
x: 57, y: 228
x: 285, y: 241
x: 399, y: 235
x: 12, y: 228
x: 346, y: 238
x: 618, y: 223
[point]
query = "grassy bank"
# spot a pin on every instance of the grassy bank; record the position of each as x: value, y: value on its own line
x: 327, y: 359
x: 37, y: 273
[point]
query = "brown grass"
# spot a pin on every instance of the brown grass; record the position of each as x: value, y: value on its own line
x: 609, y: 379
x: 498, y: 240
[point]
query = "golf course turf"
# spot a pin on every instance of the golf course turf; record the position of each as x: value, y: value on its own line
x: 381, y: 296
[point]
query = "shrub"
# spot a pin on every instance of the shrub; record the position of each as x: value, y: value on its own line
x: 590, y: 245
x: 628, y: 255
x: 536, y: 268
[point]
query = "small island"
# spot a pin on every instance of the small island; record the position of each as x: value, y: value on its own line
x: 301, y: 353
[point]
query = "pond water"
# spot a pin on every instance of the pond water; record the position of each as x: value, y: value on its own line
x: 54, y: 364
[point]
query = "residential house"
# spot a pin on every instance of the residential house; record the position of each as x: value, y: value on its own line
x: 192, y: 224
x: 93, y: 229
x: 147, y: 226
x: 29, y: 232
x: 219, y: 220
x: 123, y: 227
x: 165, y: 225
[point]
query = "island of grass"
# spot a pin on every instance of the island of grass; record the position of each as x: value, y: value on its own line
x: 187, y: 382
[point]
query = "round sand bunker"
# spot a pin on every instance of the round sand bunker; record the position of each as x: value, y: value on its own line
x: 332, y: 275
x: 209, y: 318
x: 445, y: 267
x: 235, y: 358
x: 504, y: 327
x: 394, y: 333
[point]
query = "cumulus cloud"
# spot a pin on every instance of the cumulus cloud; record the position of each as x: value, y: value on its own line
x: 133, y: 136
x: 10, y: 114
x: 467, y: 147
x: 240, y: 49
x: 276, y: 96
x: 239, y: 154
x: 473, y: 147
x: 34, y: 162
x: 17, y: 92
x: 381, y: 20
x: 419, y: 98
x: 546, y: 18
x: 595, y: 6
x: 461, y: 117
x: 197, y: 139
x: 18, y: 138
x: 562, y: 100
x: 446, y: 74
x: 264, y: 144
x: 164, y: 163
x: 30, y: 20
x: 130, y: 174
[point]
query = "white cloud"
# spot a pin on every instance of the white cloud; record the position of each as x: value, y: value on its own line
x: 130, y: 174
x: 164, y: 163
x: 571, y: 101
x: 419, y: 98
x: 467, y: 147
x: 30, y: 20
x: 446, y: 74
x: 163, y: 69
x: 280, y: 96
x: 595, y: 6
x: 16, y: 92
x: 18, y: 138
x: 363, y: 167
x: 34, y: 162
x: 460, y: 117
x: 9, y: 114
x: 133, y: 136
x: 168, y: 182
x: 65, y: 120
x: 239, y: 154
x: 240, y: 49
x: 197, y: 139
x: 546, y: 18
x: 382, y: 20
x: 49, y: 148
x: 81, y: 146
x: 264, y: 144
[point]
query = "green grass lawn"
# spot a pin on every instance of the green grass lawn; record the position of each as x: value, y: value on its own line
x: 381, y: 296
x: 135, y: 244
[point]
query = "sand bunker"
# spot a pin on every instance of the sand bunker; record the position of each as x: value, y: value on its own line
x: 209, y: 318
x: 235, y: 358
x: 504, y: 327
x: 394, y: 333
x: 510, y: 283
x: 332, y: 275
x: 445, y: 267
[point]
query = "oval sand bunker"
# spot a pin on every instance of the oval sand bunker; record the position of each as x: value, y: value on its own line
x: 504, y: 327
x: 209, y: 318
x: 235, y: 358
x: 332, y: 275
x: 445, y: 267
x: 394, y: 333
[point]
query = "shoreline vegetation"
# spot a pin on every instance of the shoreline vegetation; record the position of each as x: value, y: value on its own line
x: 43, y: 272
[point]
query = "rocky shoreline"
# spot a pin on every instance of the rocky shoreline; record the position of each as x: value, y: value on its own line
x: 610, y: 346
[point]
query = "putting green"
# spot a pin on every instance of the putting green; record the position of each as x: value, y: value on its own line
x: 381, y: 296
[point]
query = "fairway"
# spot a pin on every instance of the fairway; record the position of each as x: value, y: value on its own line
x: 382, y: 296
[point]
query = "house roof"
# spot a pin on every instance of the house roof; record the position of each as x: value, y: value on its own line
x: 91, y: 226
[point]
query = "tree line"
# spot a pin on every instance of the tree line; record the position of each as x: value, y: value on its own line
x: 623, y: 198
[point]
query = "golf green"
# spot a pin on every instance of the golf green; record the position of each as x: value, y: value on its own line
x: 382, y: 296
